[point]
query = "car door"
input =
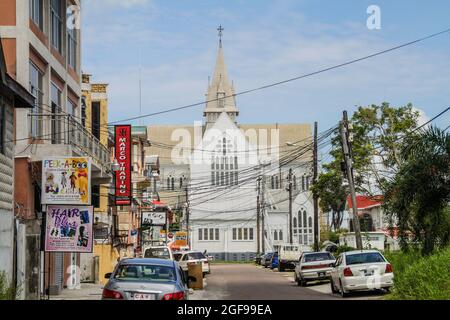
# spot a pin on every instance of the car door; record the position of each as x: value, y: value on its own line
x: 298, y: 266
x: 335, y: 271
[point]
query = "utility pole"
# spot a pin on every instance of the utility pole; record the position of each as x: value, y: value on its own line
x: 187, y: 216
x: 315, y: 195
x: 258, y: 213
x: 263, y: 212
x: 346, y: 145
x: 290, y: 205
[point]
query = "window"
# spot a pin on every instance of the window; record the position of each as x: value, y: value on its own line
x: 208, y: 234
x: 303, y: 183
x: 243, y: 234
x: 36, y: 13
x: 96, y: 196
x: 72, y: 45
x: 56, y: 112
x: 275, y: 235
x: 83, y: 111
x: 95, y: 122
x: 223, y: 167
x: 56, y: 9
x: 294, y: 178
x: 36, y: 90
x: 280, y: 236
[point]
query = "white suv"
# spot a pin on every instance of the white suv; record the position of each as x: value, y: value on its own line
x: 361, y: 270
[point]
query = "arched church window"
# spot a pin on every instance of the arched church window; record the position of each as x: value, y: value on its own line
x: 168, y: 183
x: 275, y: 235
x: 173, y: 183
x: 273, y: 182
x: 280, y: 236
x: 300, y: 219
x: 303, y: 183
x: 294, y: 180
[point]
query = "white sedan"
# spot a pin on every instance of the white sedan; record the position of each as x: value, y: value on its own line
x: 313, y: 266
x: 361, y: 270
x: 186, y: 257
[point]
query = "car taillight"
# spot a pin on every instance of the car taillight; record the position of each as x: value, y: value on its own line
x: 388, y: 268
x: 348, y: 272
x: 111, y: 294
x: 174, y: 296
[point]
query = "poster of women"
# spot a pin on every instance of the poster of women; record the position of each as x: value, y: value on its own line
x: 69, y: 229
x: 66, y: 181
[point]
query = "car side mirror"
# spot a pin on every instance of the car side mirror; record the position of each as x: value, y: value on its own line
x: 108, y: 275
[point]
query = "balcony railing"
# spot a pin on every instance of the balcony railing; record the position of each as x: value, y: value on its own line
x: 64, y: 129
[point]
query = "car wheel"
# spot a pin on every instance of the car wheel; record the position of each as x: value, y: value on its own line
x: 343, y: 293
x: 333, y: 288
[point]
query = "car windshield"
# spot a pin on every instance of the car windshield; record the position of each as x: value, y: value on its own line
x: 318, y: 257
x: 147, y: 273
x: 161, y: 253
x: 196, y: 256
x: 369, y: 257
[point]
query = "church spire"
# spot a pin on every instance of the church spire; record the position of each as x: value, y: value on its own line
x: 220, y: 96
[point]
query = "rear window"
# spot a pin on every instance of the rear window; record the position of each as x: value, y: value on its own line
x: 318, y: 257
x: 196, y: 256
x: 161, y: 253
x: 369, y: 257
x: 147, y: 273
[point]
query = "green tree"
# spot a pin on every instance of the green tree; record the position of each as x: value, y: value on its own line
x: 377, y: 132
x: 418, y: 197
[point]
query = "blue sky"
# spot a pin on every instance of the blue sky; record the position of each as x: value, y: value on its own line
x: 175, y: 43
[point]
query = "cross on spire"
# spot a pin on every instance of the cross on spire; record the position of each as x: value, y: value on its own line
x: 220, y: 29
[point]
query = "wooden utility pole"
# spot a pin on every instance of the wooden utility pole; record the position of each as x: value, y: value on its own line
x: 290, y: 206
x: 258, y: 213
x: 315, y: 195
x: 187, y: 217
x: 263, y: 212
x: 346, y: 145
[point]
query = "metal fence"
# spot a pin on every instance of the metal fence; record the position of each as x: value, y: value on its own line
x: 60, y: 128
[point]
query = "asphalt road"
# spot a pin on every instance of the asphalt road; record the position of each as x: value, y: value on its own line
x: 251, y: 282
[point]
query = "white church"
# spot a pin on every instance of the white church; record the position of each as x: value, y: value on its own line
x: 223, y: 166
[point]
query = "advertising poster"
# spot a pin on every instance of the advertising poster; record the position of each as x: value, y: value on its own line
x: 150, y: 218
x: 181, y: 238
x: 66, y: 181
x: 69, y: 229
x: 123, y: 157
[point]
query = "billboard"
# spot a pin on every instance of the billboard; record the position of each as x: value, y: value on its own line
x: 153, y: 218
x: 66, y: 181
x: 69, y: 229
x: 123, y: 157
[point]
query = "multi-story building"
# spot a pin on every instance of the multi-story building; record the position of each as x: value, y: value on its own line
x: 12, y: 96
x: 127, y: 221
x: 43, y: 54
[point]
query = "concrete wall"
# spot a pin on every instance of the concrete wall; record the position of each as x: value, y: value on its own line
x: 6, y: 242
x: 107, y: 260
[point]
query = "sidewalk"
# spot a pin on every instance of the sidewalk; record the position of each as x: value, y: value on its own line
x: 88, y: 291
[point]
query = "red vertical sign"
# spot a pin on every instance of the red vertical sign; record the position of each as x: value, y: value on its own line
x: 123, y: 157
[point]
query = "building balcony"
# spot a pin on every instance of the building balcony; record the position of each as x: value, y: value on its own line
x: 60, y: 135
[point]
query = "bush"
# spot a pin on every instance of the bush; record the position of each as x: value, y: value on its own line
x: 420, y: 278
x: 343, y: 248
x: 7, y: 290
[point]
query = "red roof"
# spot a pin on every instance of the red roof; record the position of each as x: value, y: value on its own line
x: 364, y: 202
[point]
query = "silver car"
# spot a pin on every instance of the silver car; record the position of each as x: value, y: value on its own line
x: 146, y: 279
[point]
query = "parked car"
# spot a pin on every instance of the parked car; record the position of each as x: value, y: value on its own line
x: 146, y: 279
x: 361, y: 270
x: 274, y: 261
x: 313, y: 266
x: 266, y: 259
x: 258, y: 258
x: 158, y: 252
x: 288, y: 256
x: 186, y: 257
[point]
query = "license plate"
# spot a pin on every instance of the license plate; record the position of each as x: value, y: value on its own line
x: 144, y: 296
x: 369, y: 273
